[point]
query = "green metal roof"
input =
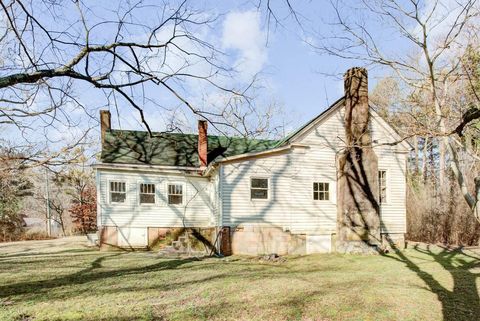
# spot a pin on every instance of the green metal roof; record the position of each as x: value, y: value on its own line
x: 173, y: 149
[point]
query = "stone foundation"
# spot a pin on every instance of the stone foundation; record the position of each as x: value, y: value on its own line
x: 393, y: 241
x: 388, y: 241
x: 108, y: 236
x: 356, y: 247
x: 258, y: 240
x: 156, y: 234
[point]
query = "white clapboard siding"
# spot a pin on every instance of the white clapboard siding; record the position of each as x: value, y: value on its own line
x: 224, y: 197
x: 197, y: 210
x: 238, y: 208
x: 291, y: 205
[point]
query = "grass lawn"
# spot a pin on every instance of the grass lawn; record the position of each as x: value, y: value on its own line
x: 63, y: 280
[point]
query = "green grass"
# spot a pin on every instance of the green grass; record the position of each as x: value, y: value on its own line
x: 61, y: 280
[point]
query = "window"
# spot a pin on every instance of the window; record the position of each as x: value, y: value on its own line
x: 147, y: 193
x: 321, y: 191
x: 259, y: 188
x: 382, y: 186
x: 117, y: 192
x: 175, y: 194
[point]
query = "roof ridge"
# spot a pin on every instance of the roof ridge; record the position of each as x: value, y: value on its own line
x: 195, y: 135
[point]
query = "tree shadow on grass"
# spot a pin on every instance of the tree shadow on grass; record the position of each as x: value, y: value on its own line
x: 10, y: 256
x: 88, y: 275
x: 460, y: 303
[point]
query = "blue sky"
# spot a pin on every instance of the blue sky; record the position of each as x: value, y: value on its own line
x: 300, y: 80
x: 292, y: 75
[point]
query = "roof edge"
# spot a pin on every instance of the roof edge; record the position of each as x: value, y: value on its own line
x: 302, y: 129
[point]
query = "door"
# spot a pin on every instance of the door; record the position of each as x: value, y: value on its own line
x: 132, y: 236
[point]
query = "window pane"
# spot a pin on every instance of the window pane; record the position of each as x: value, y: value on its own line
x: 147, y: 188
x: 118, y: 197
x: 147, y: 198
x: 174, y: 189
x: 175, y: 194
x: 382, y: 186
x: 259, y: 193
x: 175, y: 199
x: 259, y: 183
x: 321, y: 191
x: 117, y: 187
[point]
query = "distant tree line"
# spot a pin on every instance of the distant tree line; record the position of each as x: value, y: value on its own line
x: 71, y: 200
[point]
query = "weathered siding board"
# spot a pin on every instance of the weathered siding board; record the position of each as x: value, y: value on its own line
x: 197, y: 210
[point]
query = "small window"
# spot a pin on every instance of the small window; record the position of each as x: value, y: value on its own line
x: 321, y: 191
x: 175, y: 194
x: 117, y: 192
x: 382, y: 186
x: 259, y: 188
x: 147, y: 193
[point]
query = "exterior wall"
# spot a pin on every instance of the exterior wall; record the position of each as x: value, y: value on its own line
x: 108, y: 237
x: 197, y: 210
x: 289, y: 221
x: 254, y: 240
x: 290, y: 207
x: 327, y: 139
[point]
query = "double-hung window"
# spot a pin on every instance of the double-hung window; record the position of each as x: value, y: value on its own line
x: 382, y: 186
x: 259, y: 188
x: 321, y: 191
x: 175, y: 194
x: 147, y: 193
x: 118, y: 193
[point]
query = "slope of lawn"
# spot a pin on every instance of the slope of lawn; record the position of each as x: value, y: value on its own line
x: 63, y: 280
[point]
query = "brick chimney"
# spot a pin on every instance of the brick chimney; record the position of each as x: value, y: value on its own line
x: 356, y: 106
x: 202, y: 143
x: 105, y: 123
x: 358, y: 222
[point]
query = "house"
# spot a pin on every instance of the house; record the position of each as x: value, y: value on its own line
x: 252, y: 196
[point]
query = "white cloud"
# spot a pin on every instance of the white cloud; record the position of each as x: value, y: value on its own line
x: 242, y: 32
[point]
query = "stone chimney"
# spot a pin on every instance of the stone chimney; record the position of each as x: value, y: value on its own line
x: 202, y: 143
x: 358, y: 221
x: 105, y: 123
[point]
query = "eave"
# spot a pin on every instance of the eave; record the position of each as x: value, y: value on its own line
x: 184, y: 170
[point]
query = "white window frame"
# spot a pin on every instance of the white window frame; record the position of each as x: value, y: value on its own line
x: 250, y: 189
x: 329, y: 190
x: 386, y: 187
x: 139, y: 191
x: 184, y: 192
x: 109, y: 191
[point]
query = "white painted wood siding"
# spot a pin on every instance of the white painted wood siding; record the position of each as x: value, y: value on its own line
x: 291, y: 177
x: 237, y: 206
x: 197, y: 211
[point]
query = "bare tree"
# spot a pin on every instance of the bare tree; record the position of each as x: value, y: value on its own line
x: 438, y: 34
x: 144, y: 54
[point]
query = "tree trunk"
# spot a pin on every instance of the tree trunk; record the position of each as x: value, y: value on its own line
x: 425, y: 160
x: 416, y: 156
x: 441, y: 163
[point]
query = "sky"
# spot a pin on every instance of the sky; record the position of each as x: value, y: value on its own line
x: 299, y: 80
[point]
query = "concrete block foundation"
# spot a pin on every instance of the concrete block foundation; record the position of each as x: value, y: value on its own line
x: 258, y: 240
